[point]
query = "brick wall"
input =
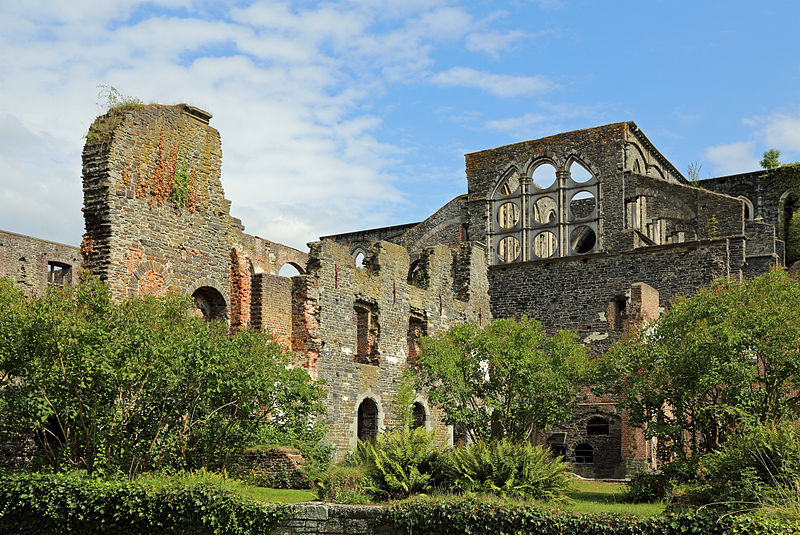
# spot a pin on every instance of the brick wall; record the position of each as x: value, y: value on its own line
x: 272, y: 307
x: 26, y: 261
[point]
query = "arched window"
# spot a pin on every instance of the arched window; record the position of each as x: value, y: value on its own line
x: 211, y: 303
x: 418, y: 416
x: 597, y: 426
x: 367, y: 420
x: 584, y: 454
x: 749, y: 213
x: 553, y: 213
x: 289, y: 269
x: 359, y: 259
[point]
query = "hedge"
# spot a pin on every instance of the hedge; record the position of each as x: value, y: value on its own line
x: 58, y: 503
x: 465, y: 516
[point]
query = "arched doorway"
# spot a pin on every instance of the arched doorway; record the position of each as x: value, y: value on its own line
x: 418, y: 416
x: 367, y: 420
x: 211, y: 303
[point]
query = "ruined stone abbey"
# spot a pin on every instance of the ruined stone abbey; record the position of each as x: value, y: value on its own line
x: 592, y: 230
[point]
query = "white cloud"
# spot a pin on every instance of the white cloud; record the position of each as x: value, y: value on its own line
x: 501, y: 85
x: 782, y: 132
x: 733, y: 157
x: 494, y: 42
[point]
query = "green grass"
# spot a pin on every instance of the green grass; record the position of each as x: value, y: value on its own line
x: 277, y: 495
x: 602, y: 497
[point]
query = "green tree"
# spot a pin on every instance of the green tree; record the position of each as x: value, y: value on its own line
x: 727, y: 355
x: 505, y: 380
x: 771, y: 160
x: 139, y: 385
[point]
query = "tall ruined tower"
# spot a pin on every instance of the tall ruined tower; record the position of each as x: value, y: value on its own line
x: 157, y: 220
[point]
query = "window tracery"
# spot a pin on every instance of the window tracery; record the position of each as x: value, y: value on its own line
x: 545, y: 213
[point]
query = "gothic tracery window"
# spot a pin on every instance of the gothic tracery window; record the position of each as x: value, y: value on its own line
x: 544, y: 214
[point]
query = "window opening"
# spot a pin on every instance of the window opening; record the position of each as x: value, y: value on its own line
x: 418, y: 416
x: 417, y: 328
x: 359, y: 260
x: 367, y: 420
x: 579, y: 173
x: 557, y: 446
x: 418, y: 274
x: 367, y: 333
x: 584, y: 454
x: 582, y: 239
x: 544, y: 176
x: 597, y: 426
x: 289, y: 270
x: 210, y: 302
x: 58, y: 274
x: 617, y: 312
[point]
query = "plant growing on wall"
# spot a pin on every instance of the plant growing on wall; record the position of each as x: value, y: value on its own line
x: 505, y: 380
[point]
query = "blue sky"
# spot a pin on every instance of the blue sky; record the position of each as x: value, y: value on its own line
x: 351, y: 114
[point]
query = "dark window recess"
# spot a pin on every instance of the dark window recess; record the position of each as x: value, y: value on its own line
x: 367, y: 333
x: 617, y: 312
x: 459, y: 436
x: 558, y: 450
x: 59, y: 274
x: 417, y: 328
x: 368, y: 420
x: 584, y: 454
x: 211, y: 303
x: 597, y: 426
x: 418, y: 416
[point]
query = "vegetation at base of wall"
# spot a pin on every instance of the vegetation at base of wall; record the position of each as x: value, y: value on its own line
x: 139, y: 385
x: 503, y: 468
x: 399, y: 463
x: 458, y: 516
x: 344, y: 483
x: 725, y: 356
x: 759, y: 465
x: 504, y: 380
x: 62, y: 503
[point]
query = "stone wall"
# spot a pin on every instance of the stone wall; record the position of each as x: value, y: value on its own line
x: 575, y: 293
x: 335, y: 519
x: 275, y: 467
x: 33, y: 264
x: 325, y: 323
x: 448, y: 226
x: 362, y: 240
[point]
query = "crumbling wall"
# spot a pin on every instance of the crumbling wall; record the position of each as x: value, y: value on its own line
x: 448, y: 226
x: 271, y: 308
x: 328, y: 300
x: 33, y: 264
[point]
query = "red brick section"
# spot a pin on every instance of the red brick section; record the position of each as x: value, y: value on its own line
x: 306, y: 339
x: 152, y: 283
x: 240, y: 290
x: 271, y: 309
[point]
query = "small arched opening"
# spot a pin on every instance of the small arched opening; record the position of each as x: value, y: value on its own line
x: 358, y: 259
x: 418, y: 416
x: 597, y: 426
x: 290, y: 269
x: 749, y: 213
x: 367, y: 420
x: 211, y: 303
x: 584, y: 454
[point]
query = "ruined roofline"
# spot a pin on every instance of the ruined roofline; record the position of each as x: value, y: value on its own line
x: 624, y: 128
x: 8, y: 232
x: 404, y: 226
x: 643, y: 139
x: 554, y: 137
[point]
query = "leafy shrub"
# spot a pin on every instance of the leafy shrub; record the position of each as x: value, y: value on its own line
x: 398, y: 462
x: 61, y: 503
x: 646, y: 487
x: 459, y: 516
x: 344, y: 484
x: 760, y: 465
x: 504, y: 468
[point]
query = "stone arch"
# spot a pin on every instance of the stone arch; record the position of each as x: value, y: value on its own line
x: 788, y: 204
x: 653, y: 171
x: 636, y: 160
x: 597, y: 426
x: 575, y: 159
x: 150, y: 278
x: 211, y: 303
x: 749, y: 212
x: 368, y: 418
x: 359, y: 256
x: 421, y: 414
x: 509, y: 177
x: 295, y: 265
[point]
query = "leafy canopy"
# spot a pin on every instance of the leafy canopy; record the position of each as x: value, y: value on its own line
x: 504, y: 380
x: 141, y: 384
x: 771, y: 159
x: 727, y: 355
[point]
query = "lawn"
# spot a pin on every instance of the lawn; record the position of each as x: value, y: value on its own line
x: 277, y: 495
x: 603, y: 497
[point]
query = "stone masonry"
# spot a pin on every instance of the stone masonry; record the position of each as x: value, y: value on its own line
x: 593, y: 231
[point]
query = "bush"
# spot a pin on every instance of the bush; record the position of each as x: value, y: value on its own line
x: 647, y: 487
x: 504, y: 468
x: 344, y: 484
x: 759, y: 465
x: 398, y: 463
x: 62, y: 503
x: 459, y: 516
